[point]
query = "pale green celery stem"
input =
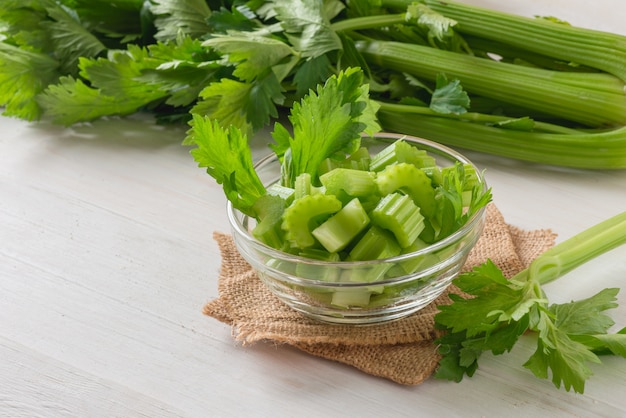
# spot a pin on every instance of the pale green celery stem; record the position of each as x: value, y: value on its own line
x: 471, y: 116
x: 578, y: 250
x: 597, y: 49
x: 590, y: 150
x: 549, y: 91
x: 368, y: 22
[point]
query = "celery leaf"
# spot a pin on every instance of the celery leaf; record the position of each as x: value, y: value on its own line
x: 187, y: 17
x: 307, y: 25
x: 565, y: 358
x: 449, y: 96
x: 71, y: 101
x: 585, y: 316
x: 252, y: 54
x: 248, y: 106
x: 23, y: 76
x: 225, y: 154
x: 118, y: 75
x: 328, y: 120
x: 70, y: 39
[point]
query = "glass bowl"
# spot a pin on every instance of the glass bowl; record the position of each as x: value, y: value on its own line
x: 320, y: 290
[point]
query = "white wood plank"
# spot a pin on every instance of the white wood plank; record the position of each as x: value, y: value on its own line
x: 47, y: 388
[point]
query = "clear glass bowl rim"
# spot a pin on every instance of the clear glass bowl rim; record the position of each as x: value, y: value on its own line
x: 238, y: 227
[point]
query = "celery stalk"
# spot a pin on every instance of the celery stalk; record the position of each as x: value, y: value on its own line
x: 597, y: 49
x: 552, y: 92
x: 577, y: 250
x: 341, y: 228
x: 586, y: 149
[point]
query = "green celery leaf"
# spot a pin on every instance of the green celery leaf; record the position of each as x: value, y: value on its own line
x: 71, y: 101
x: 282, y: 141
x: 183, y: 49
x: 264, y: 95
x: 494, y: 299
x: 118, y: 76
x: 566, y: 359
x: 253, y: 54
x: 224, y: 20
x: 188, y: 17
x: 328, y: 120
x: 227, y: 158
x: 585, y: 316
x: 70, y: 39
x: 312, y: 72
x: 23, y: 76
x: 115, y: 19
x: 22, y: 25
x: 226, y: 101
x: 449, y: 97
x: 438, y: 28
x: 184, y: 68
x: 307, y: 25
x: 455, y: 361
x: 604, y: 343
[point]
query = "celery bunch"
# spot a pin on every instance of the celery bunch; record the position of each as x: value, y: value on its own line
x: 533, y: 89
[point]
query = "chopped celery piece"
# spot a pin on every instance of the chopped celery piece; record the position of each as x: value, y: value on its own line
x: 341, y: 228
x: 407, y: 153
x: 315, y: 271
x: 318, y: 254
x: 371, y: 274
x: 384, y: 157
x: 399, y: 214
x: 346, y: 298
x: 284, y: 192
x: 410, y: 266
x: 304, y: 186
x: 304, y: 214
x: 355, y: 183
x: 360, y: 159
x: 401, y: 152
x: 375, y: 244
x: 410, y: 180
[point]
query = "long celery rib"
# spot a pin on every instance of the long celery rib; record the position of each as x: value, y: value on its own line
x: 578, y: 249
x: 472, y: 117
x: 591, y: 150
x: 529, y: 87
x: 597, y: 49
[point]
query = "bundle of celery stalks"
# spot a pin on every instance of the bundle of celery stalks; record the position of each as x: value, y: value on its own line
x: 535, y: 89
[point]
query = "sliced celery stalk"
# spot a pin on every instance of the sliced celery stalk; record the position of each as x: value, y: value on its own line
x: 304, y: 212
x: 397, y: 213
x: 341, y: 228
x: 410, y: 180
x: 315, y: 271
x: 355, y: 183
x: 375, y: 244
x: 346, y: 298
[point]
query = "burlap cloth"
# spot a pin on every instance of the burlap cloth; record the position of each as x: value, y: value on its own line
x: 402, y: 350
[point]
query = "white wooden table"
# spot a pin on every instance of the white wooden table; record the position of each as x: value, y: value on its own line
x: 106, y: 259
